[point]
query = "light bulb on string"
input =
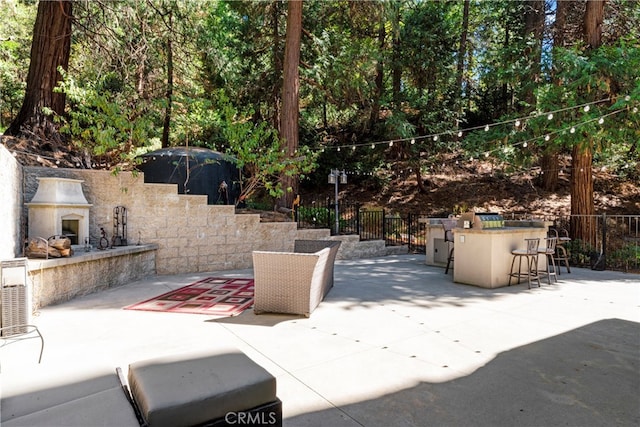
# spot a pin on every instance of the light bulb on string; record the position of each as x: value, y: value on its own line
x: 572, y: 130
x: 460, y: 134
x: 586, y: 108
x: 413, y: 141
x: 373, y: 146
x: 353, y: 148
x: 525, y: 144
x: 486, y: 128
x: 338, y: 148
x: 601, y: 120
x: 635, y: 109
x: 627, y: 98
x: 550, y: 116
x: 435, y: 138
x: 517, y: 123
x: 391, y: 144
x: 547, y: 137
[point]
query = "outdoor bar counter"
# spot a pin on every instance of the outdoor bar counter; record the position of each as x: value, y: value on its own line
x: 482, y: 257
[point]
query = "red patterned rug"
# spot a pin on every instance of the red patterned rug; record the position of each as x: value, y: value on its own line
x: 215, y: 296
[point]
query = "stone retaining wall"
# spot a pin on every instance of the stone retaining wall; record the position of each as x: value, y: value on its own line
x: 191, y: 236
x: 168, y: 233
x: 61, y: 279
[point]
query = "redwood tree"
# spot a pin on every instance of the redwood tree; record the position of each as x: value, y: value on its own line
x: 50, y: 50
x: 290, y: 92
x: 582, y: 202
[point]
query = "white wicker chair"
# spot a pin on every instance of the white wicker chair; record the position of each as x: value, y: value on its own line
x: 290, y: 282
x: 311, y: 246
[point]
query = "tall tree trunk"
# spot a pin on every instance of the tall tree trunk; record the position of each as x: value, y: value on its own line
x: 593, y: 17
x: 166, y: 125
x: 582, y: 202
x: 549, y: 162
x: 50, y: 49
x: 582, y: 227
x: 396, y: 73
x: 276, y: 98
x: 379, y: 79
x: 462, y: 49
x: 550, y: 165
x: 534, y: 27
x: 290, y: 92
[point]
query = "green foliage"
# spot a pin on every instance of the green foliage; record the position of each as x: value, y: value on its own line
x: 227, y: 58
x: 258, y: 151
x: 15, y: 42
x: 315, y: 216
x: 104, y: 122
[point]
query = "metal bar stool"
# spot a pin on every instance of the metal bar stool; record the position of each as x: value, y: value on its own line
x: 549, y: 252
x: 561, y: 255
x: 449, y: 225
x: 531, y: 256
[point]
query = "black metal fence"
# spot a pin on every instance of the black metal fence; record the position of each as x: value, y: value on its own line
x: 614, y: 242
x: 378, y: 224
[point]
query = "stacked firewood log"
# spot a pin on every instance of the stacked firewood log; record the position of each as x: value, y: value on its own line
x: 54, y: 247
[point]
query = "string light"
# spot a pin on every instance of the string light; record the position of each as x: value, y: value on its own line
x: 573, y: 129
x: 517, y: 122
x: 586, y: 108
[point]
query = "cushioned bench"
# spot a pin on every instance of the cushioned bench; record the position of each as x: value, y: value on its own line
x: 198, y: 389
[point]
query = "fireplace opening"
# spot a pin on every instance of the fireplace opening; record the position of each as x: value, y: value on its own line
x: 70, y: 229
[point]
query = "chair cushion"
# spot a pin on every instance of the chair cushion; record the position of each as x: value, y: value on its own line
x: 187, y: 390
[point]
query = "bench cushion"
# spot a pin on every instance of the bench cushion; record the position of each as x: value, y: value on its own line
x: 186, y: 390
x: 66, y: 398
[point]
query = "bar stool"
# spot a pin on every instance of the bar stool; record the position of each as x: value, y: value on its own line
x: 549, y: 253
x: 449, y: 225
x: 561, y: 254
x: 531, y: 255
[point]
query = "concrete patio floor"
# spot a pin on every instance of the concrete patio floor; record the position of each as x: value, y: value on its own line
x: 395, y: 343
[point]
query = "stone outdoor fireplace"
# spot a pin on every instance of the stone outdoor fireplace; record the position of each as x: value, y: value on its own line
x: 59, y: 208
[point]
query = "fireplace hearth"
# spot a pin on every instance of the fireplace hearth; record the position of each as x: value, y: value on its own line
x: 59, y: 208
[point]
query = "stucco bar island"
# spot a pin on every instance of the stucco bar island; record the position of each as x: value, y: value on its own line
x: 482, y: 257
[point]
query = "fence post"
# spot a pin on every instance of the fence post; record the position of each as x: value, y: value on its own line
x: 328, y: 206
x: 409, y: 220
x: 604, y: 241
x: 384, y: 225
